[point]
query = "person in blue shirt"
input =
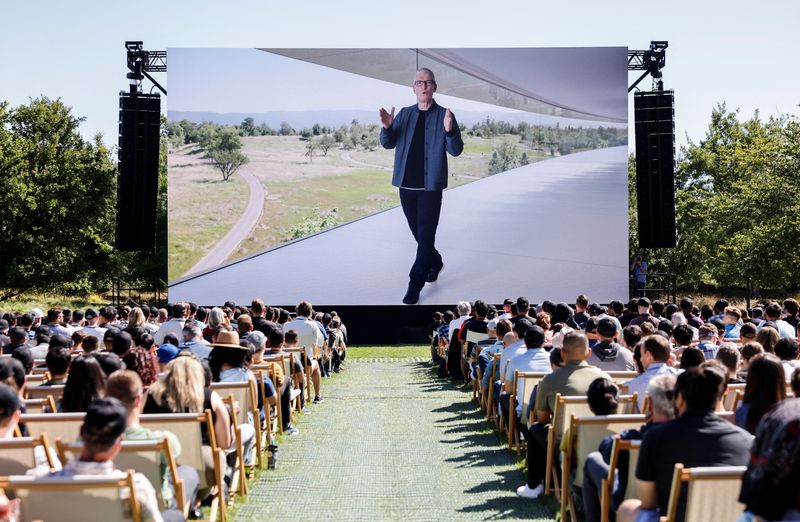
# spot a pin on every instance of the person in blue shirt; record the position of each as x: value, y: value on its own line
x: 422, y: 135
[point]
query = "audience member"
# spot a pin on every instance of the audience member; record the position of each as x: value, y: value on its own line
x: 786, y: 349
x: 771, y: 485
x: 607, y: 354
x: 85, y: 383
x: 655, y: 352
x: 705, y: 440
x: 573, y: 379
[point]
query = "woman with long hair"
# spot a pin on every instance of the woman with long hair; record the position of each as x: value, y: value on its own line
x: 766, y: 386
x: 768, y: 337
x: 86, y: 382
x: 136, y: 318
x: 183, y: 389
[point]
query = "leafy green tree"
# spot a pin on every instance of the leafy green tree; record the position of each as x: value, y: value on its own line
x: 311, y: 148
x: 504, y: 157
x: 248, y: 127
x: 227, y: 162
x: 286, y: 129
x: 738, y: 205
x: 325, y: 142
x: 57, y: 194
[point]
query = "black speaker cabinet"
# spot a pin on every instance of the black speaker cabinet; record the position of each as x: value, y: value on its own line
x: 654, y: 114
x: 137, y: 187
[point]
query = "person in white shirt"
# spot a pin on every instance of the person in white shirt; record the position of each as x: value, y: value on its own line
x: 772, y: 314
x: 655, y: 354
x: 309, y: 336
x: 174, y: 325
x: 533, y: 359
x: 91, y: 328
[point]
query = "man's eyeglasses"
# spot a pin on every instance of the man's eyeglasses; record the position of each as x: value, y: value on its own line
x: 421, y: 83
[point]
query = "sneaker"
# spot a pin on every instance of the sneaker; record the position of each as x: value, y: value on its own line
x: 291, y: 431
x: 433, y: 275
x: 526, y: 492
x: 318, y: 400
x: 411, y: 297
x: 306, y: 411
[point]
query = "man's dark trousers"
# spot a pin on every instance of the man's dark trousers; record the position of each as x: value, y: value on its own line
x: 422, y: 209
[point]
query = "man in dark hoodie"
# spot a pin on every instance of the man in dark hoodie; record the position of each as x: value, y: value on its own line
x: 607, y: 354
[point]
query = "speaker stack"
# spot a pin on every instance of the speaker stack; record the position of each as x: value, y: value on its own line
x: 137, y: 188
x: 654, y: 115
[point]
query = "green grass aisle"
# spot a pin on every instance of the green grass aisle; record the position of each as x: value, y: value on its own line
x: 391, y: 442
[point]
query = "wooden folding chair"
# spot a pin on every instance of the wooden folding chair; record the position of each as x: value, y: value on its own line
x: 607, y: 487
x: 491, y: 407
x: 524, y: 383
x: 145, y: 457
x: 620, y: 376
x: 476, y: 387
x: 268, y: 429
x: 566, y: 407
x: 240, y: 473
x: 729, y: 400
x: 89, y: 498
x: 40, y: 392
x: 187, y: 427
x: 712, y: 493
x: 245, y: 394
x: 44, y: 405
x: 306, y: 386
x: 18, y: 455
x: 57, y: 426
x: 586, y: 434
x: 35, y: 379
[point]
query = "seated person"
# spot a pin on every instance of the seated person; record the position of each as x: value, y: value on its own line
x: 184, y: 389
x: 534, y: 359
x: 102, y: 432
x: 58, y: 361
x: 698, y: 437
x: 10, y: 411
x: 229, y: 362
x: 770, y: 489
x: 573, y: 379
x: 276, y: 341
x: 607, y: 354
x: 126, y: 387
x: 661, y: 409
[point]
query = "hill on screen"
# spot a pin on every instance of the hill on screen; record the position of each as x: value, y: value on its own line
x: 335, y: 118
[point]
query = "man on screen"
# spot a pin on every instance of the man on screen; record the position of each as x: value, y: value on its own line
x: 421, y: 135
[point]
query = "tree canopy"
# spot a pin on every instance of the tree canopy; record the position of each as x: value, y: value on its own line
x: 738, y: 205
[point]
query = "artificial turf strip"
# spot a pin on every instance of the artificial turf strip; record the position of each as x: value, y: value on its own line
x: 391, y: 442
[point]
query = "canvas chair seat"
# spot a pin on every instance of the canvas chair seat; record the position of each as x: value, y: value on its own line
x: 712, y: 493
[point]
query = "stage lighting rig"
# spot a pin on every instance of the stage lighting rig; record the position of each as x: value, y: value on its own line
x: 651, y: 62
x: 140, y: 62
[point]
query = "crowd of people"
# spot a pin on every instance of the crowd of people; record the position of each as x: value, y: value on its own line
x: 684, y: 358
x: 118, y: 364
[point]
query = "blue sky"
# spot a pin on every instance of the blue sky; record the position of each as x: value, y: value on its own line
x: 734, y: 51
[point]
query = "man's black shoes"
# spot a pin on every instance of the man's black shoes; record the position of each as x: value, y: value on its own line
x: 411, y: 297
x: 433, y: 275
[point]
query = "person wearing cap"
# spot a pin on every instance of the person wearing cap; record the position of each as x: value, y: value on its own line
x: 166, y: 353
x: 91, y: 328
x: 18, y: 339
x: 643, y: 304
x: 102, y: 433
x: 10, y: 412
x: 607, y: 354
x: 507, y: 302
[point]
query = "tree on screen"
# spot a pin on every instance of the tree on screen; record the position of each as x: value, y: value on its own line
x: 227, y: 162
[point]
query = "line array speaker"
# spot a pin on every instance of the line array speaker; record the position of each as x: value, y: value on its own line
x: 654, y: 116
x: 137, y: 186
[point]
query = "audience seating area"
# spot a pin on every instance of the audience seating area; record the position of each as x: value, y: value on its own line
x: 201, y: 397
x: 672, y: 349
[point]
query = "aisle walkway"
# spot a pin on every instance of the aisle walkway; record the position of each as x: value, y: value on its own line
x: 391, y: 442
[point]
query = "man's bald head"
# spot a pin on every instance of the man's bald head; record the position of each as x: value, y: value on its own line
x: 576, y: 347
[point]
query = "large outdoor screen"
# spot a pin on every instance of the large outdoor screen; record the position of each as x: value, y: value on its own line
x: 279, y: 186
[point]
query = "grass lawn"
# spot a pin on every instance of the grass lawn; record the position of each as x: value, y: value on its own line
x: 370, y: 352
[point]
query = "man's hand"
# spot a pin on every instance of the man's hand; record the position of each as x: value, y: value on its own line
x: 386, y: 118
x: 448, y: 120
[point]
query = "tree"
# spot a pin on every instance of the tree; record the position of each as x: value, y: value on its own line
x: 227, y: 161
x: 311, y: 148
x: 737, y: 204
x: 248, y: 127
x: 325, y: 142
x: 504, y: 157
x: 286, y: 129
x: 57, y: 195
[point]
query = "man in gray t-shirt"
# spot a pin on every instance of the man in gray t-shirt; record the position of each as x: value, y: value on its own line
x: 607, y: 354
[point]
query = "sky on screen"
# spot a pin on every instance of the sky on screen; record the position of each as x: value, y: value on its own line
x: 739, y: 52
